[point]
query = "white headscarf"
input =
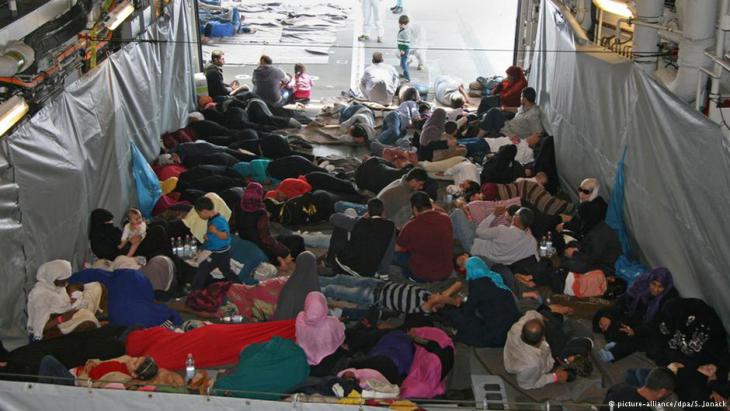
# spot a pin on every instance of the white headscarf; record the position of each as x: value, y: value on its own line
x: 45, y: 298
x: 591, y: 184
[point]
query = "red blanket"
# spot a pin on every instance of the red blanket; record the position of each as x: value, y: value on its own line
x: 211, y: 346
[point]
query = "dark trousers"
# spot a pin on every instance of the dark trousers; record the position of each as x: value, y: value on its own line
x: 492, y: 122
x: 259, y: 112
x: 220, y: 260
x: 51, y: 371
x: 488, y: 102
x: 326, y: 181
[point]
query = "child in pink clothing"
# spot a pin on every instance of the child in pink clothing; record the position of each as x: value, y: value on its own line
x: 302, y: 84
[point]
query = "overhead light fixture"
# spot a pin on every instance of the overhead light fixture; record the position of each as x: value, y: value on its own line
x: 11, y: 111
x: 118, y: 15
x: 618, y: 7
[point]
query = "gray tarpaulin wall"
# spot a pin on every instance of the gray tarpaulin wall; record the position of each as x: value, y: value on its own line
x: 22, y: 396
x: 74, y: 155
x: 678, y: 162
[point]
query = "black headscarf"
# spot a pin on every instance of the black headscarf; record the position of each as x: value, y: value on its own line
x: 502, y: 168
x: 104, y: 235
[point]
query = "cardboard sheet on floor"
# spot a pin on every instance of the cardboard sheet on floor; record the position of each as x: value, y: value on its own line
x: 242, y: 54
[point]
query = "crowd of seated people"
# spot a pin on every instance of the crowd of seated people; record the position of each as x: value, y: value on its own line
x: 416, y: 268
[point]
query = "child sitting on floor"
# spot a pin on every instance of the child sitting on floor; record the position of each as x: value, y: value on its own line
x: 135, y: 227
x: 301, y: 84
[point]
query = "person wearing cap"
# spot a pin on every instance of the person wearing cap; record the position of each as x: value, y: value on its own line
x: 217, y: 89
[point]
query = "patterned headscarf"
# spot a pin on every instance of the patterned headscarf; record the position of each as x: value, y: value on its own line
x: 253, y: 198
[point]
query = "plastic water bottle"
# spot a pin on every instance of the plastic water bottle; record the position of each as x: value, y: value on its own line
x: 193, y: 247
x: 173, y: 246
x: 187, y: 251
x: 543, y: 247
x: 549, y: 244
x: 189, y: 368
x: 179, y: 247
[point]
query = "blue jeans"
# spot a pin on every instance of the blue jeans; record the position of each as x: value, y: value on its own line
x: 341, y: 206
x: 349, y: 111
x: 464, y: 229
x: 51, y: 371
x: 636, y: 377
x: 392, y: 130
x: 401, y: 260
x: 404, y: 65
x: 358, y: 290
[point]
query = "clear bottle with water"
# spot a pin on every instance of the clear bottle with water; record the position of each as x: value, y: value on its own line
x: 189, y: 368
x: 187, y: 251
x: 543, y: 247
x: 179, y: 247
x: 549, y: 245
x: 193, y: 247
x: 173, y: 246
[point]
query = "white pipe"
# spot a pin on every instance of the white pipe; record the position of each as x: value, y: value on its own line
x: 719, y: 48
x: 670, y: 35
x: 646, y: 38
x: 697, y: 32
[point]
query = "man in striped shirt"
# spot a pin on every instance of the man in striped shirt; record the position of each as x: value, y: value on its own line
x: 399, y: 297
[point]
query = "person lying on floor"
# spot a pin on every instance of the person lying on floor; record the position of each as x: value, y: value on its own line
x: 424, y: 245
x: 396, y: 124
x: 489, y: 311
x: 540, y: 352
x: 125, y: 370
x: 628, y: 322
x: 131, y: 298
x: 375, y: 173
x: 529, y: 192
x: 450, y: 92
x: 203, y: 152
x: 73, y: 350
x: 405, y: 298
x: 55, y: 308
x: 362, y: 246
x: 359, y: 121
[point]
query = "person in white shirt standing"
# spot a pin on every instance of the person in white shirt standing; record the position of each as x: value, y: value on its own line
x: 372, y: 15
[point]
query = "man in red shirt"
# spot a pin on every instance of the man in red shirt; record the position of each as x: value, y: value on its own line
x: 425, y: 244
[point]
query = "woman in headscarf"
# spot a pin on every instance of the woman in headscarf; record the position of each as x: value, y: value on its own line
x: 304, y: 280
x: 252, y: 224
x: 628, y: 322
x: 318, y: 334
x: 433, y: 128
x: 502, y: 168
x: 105, y: 237
x: 52, y: 311
x: 131, y: 299
x: 489, y: 311
x: 591, y: 210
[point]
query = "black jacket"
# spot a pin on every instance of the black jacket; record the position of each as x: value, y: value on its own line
x: 216, y: 86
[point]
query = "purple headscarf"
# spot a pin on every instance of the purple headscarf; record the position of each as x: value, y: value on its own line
x: 252, y: 199
x: 639, y: 291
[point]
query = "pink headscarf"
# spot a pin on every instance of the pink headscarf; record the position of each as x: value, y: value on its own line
x: 252, y: 199
x: 424, y: 378
x: 319, y: 335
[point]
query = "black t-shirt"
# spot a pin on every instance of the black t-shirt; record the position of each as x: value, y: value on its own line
x: 624, y: 393
x: 368, y: 243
